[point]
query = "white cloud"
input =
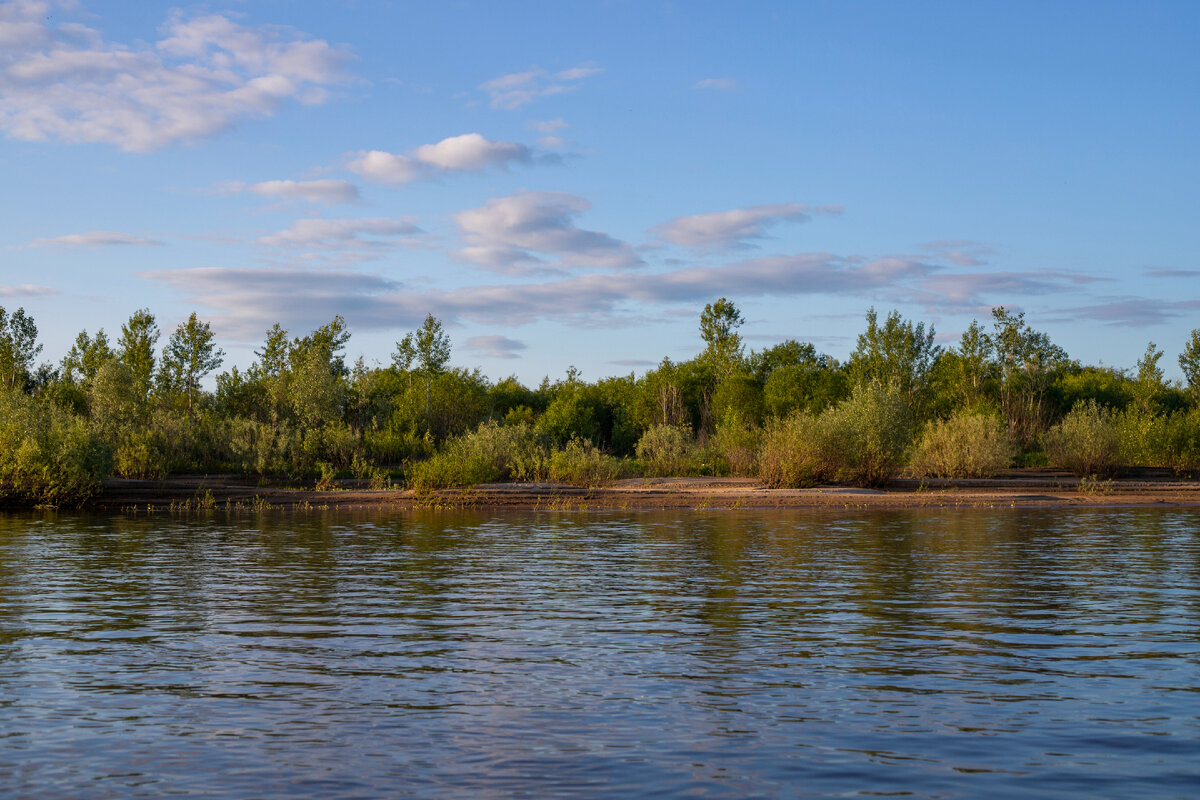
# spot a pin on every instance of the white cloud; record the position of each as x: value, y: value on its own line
x: 517, y: 232
x: 26, y: 290
x: 719, y: 84
x: 469, y: 152
x: 318, y: 191
x: 735, y: 228
x: 521, y: 88
x: 96, y: 239
x: 495, y: 346
x: 548, y: 127
x: 340, y: 233
x: 66, y: 83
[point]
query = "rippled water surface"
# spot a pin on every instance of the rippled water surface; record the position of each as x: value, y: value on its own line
x: 719, y: 654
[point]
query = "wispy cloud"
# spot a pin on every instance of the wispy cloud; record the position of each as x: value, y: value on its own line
x: 495, y: 346
x: 65, y: 82
x: 326, y: 191
x: 469, y: 152
x: 27, y: 290
x: 341, y: 233
x: 96, y: 239
x: 1173, y: 273
x: 536, y: 230
x: 1131, y: 312
x: 517, y: 89
x: 963, y: 252
x: 736, y: 228
x: 718, y: 84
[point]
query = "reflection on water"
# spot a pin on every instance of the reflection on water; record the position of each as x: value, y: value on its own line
x: 933, y: 654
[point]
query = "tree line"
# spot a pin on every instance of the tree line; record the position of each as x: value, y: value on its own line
x: 130, y: 408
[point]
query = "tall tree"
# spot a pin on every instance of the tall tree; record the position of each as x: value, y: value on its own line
x: 898, y: 354
x: 135, y: 348
x: 429, y: 347
x: 190, y: 354
x: 18, y: 347
x: 1149, y: 385
x: 85, y: 358
x: 1027, y: 362
x: 1189, y: 362
x: 718, y: 328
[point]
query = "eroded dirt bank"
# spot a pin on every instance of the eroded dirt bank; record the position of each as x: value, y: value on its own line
x: 1018, y: 488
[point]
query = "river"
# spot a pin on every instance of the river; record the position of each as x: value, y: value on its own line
x: 939, y: 654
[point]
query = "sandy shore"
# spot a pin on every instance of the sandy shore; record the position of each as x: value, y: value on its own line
x: 1016, y: 489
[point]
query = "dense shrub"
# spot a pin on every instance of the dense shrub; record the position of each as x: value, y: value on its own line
x: 1147, y: 439
x: 862, y: 440
x: 48, y: 455
x: 1085, y: 442
x: 736, y: 442
x: 964, y: 446
x: 798, y: 451
x: 580, y: 463
x: 491, y: 452
x: 667, y: 449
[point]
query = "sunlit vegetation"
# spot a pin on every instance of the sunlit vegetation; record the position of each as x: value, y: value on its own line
x: 787, y: 414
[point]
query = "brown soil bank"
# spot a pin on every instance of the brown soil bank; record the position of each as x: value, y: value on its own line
x: 1016, y: 489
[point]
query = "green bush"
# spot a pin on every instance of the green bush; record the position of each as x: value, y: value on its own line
x: 48, y: 455
x: 142, y: 454
x: 582, y: 464
x: 863, y: 440
x: 667, y: 449
x: 490, y: 453
x: 737, y: 441
x: 964, y: 446
x: 1085, y: 442
x: 798, y: 451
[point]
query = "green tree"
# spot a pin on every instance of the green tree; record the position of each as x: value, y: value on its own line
x: 718, y: 328
x: 135, y: 349
x: 429, y: 347
x: 1149, y: 387
x: 18, y: 347
x: 1189, y: 362
x: 1027, y: 363
x: 190, y: 354
x: 898, y: 354
x: 85, y: 358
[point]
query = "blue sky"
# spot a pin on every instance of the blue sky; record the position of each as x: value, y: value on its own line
x: 569, y: 183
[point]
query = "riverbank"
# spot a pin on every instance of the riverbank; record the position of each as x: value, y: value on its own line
x: 1016, y: 488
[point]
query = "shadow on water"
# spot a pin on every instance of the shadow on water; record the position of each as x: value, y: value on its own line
x: 941, y: 654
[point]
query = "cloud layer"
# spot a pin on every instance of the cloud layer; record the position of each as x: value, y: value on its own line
x: 67, y: 83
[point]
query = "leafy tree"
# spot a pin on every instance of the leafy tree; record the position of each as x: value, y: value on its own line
x: 189, y: 356
x: 429, y: 346
x: 1150, y: 386
x: 18, y: 347
x: 1027, y: 363
x: 718, y: 328
x: 898, y: 354
x: 135, y: 348
x: 1189, y: 362
x: 85, y: 358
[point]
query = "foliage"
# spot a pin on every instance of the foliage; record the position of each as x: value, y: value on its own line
x: 189, y: 356
x: 1027, y: 363
x: 18, y: 347
x: 667, y: 450
x: 718, y: 328
x: 862, y: 440
x: 964, y: 446
x: 898, y: 354
x: 47, y: 453
x: 1085, y: 442
x: 135, y: 348
x: 1189, y: 362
